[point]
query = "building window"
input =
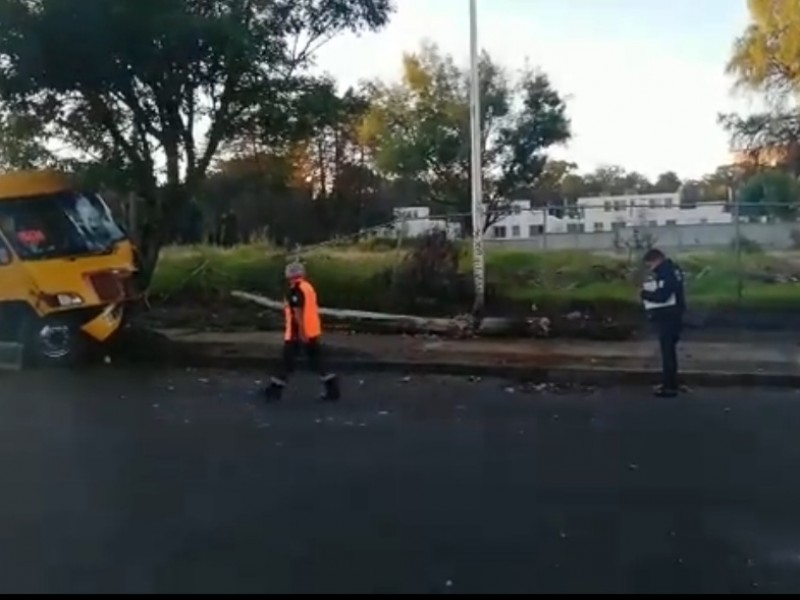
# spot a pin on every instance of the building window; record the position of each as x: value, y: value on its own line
x: 499, y: 232
x: 534, y: 230
x: 618, y: 225
x: 516, y: 209
x: 598, y: 227
x: 652, y: 223
x: 607, y: 206
x: 515, y: 231
x: 575, y: 228
x: 619, y: 205
x: 653, y: 203
x: 672, y: 223
x: 668, y: 203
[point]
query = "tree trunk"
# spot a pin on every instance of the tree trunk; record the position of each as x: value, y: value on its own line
x: 161, y: 215
x: 151, y: 237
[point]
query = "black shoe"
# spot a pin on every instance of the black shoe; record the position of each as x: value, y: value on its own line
x: 663, y: 392
x: 274, y: 391
x: 332, y: 392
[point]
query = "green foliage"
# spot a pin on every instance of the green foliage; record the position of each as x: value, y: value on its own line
x: 121, y: 81
x: 766, y: 60
x: 420, y: 129
x: 770, y: 193
x: 667, y: 183
x: 359, y: 279
x: 767, y: 56
x: 21, y: 142
x: 429, y: 276
x: 746, y: 245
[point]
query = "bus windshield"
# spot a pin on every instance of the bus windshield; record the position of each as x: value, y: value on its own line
x: 67, y: 224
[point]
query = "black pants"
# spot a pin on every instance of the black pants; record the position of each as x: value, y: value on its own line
x: 669, y: 335
x: 291, y: 351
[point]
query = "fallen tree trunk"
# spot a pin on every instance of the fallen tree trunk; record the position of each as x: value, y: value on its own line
x: 377, y: 322
x: 463, y: 326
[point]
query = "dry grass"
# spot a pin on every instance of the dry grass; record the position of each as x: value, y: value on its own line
x: 355, y: 277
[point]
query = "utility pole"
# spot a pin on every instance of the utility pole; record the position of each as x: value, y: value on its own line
x: 478, y: 252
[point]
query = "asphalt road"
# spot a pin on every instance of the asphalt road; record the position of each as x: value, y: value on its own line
x: 125, y: 481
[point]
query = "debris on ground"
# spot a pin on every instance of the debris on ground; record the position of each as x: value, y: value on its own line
x: 558, y: 388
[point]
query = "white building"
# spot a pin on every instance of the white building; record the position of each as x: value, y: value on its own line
x: 416, y: 221
x: 588, y: 215
x: 604, y: 214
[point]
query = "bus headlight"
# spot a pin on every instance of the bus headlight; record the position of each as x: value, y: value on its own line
x: 63, y: 300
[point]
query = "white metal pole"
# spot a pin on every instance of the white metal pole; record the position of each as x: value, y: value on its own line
x: 478, y: 255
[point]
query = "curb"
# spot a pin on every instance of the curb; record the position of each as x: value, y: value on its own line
x: 197, y: 356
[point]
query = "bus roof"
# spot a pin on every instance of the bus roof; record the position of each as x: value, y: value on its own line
x: 22, y: 184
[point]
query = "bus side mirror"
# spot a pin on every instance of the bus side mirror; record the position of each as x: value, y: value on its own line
x: 5, y: 256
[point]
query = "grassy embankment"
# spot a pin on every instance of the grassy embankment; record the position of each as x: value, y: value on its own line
x: 357, y: 278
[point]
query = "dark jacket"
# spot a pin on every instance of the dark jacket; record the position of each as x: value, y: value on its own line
x: 668, y: 295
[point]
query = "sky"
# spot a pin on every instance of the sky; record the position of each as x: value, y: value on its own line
x: 645, y: 79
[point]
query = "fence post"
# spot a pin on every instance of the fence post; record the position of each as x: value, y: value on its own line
x: 738, y: 248
x: 544, y: 227
x: 398, y: 252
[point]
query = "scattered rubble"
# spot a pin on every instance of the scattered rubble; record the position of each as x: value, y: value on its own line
x: 558, y: 388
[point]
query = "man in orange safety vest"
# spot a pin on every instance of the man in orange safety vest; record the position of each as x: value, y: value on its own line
x: 302, y: 331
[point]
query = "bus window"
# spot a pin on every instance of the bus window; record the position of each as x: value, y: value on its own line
x: 5, y: 254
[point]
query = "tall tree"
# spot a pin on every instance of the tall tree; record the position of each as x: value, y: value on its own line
x: 771, y: 193
x: 573, y: 186
x: 767, y: 56
x: 419, y: 129
x: 667, y: 183
x: 554, y: 173
x: 722, y: 181
x: 147, y: 82
x: 766, y: 60
x: 612, y: 180
x: 332, y: 160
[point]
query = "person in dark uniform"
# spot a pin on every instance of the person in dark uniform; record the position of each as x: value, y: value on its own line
x: 302, y: 333
x: 665, y: 302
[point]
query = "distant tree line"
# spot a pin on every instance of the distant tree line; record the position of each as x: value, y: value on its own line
x: 210, y: 113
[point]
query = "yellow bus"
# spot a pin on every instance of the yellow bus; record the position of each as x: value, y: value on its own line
x: 66, y: 267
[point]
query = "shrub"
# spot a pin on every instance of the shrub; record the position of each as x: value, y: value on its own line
x: 429, y: 276
x: 747, y: 246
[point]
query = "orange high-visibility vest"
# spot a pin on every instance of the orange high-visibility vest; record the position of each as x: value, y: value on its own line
x: 312, y: 324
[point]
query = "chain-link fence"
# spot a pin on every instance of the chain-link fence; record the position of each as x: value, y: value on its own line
x: 569, y: 260
x: 736, y: 257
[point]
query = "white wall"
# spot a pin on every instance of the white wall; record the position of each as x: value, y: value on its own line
x: 674, y: 238
x: 602, y: 214
x: 605, y: 214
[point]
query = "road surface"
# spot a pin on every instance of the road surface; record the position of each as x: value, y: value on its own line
x: 138, y: 481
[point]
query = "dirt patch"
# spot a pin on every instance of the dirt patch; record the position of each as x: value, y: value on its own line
x: 211, y: 316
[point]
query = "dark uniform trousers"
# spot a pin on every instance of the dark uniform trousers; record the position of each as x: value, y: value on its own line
x: 669, y: 334
x: 292, y: 350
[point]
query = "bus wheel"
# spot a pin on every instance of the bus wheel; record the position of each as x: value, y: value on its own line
x: 53, y: 342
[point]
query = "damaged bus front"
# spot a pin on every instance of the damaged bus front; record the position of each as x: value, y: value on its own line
x: 66, y: 267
